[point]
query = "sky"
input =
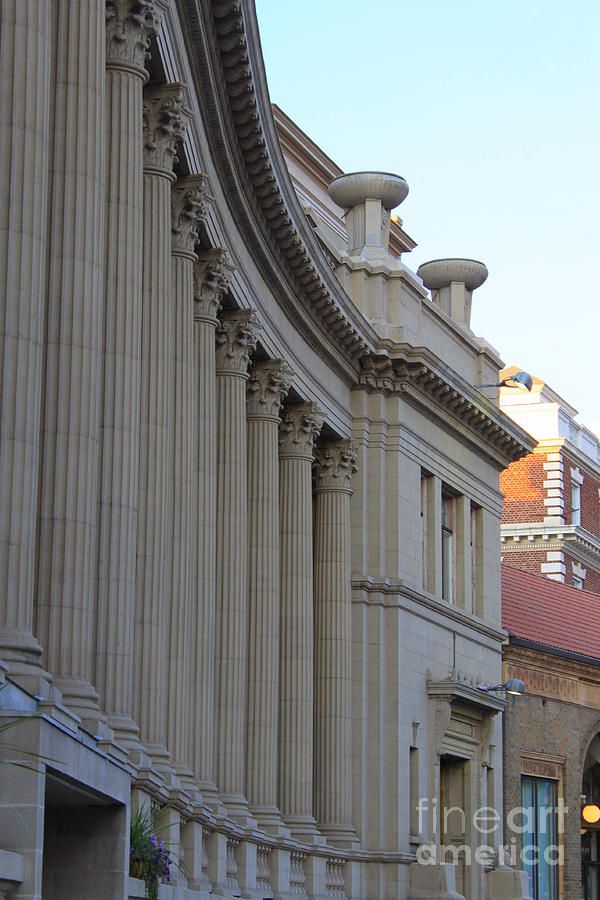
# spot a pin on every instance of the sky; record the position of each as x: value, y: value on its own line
x: 490, y: 109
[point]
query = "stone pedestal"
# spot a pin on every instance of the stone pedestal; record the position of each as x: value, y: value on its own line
x: 268, y: 385
x: 507, y: 884
x: 300, y: 425
x: 129, y: 28
x: 212, y: 274
x: 236, y: 338
x: 25, y: 30
x: 188, y: 211
x: 164, y: 124
x: 335, y: 464
x: 433, y: 882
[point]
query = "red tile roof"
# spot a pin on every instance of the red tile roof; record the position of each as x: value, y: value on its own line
x: 550, y: 613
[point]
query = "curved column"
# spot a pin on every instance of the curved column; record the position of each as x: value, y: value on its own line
x: 268, y: 385
x: 212, y: 274
x: 335, y: 463
x: 188, y: 210
x: 301, y: 423
x: 24, y: 138
x: 236, y: 338
x: 164, y: 122
x: 71, y: 422
x: 129, y: 26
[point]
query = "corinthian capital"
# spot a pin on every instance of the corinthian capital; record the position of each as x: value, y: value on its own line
x: 236, y: 338
x: 165, y: 121
x: 212, y: 275
x: 188, y: 211
x: 335, y: 464
x: 267, y: 386
x: 129, y: 26
x: 300, y: 426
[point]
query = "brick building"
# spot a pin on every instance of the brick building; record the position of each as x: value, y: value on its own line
x: 551, y: 516
x: 551, y: 733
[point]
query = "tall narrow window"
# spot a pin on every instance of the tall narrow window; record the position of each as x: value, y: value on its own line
x: 539, y: 799
x: 575, y: 503
x: 414, y: 791
x: 424, y: 547
x: 448, y: 548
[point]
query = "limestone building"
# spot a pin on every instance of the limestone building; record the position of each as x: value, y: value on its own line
x: 250, y: 505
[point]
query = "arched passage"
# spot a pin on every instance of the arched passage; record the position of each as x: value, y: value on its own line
x: 590, y: 831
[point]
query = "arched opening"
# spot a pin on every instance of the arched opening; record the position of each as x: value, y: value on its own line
x: 590, y: 831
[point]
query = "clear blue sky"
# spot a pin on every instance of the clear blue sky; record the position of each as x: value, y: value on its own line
x: 491, y: 111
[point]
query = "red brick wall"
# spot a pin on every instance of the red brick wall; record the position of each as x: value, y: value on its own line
x: 522, y: 486
x: 530, y: 562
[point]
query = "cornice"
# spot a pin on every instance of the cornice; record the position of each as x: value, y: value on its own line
x: 424, y: 381
x: 228, y: 73
x: 573, y: 539
x: 385, y: 592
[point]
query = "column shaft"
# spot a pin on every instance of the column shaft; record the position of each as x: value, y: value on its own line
x: 212, y: 274
x: 187, y: 211
x: 128, y: 33
x: 335, y: 464
x: 300, y: 425
x: 71, y: 423
x: 268, y: 384
x: 236, y: 337
x: 24, y: 140
x: 163, y: 125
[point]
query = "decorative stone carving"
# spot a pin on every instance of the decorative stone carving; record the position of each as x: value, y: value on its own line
x: 212, y: 276
x: 130, y: 24
x: 300, y: 426
x: 267, y: 387
x: 236, y: 338
x: 188, y: 210
x: 335, y: 464
x: 165, y: 119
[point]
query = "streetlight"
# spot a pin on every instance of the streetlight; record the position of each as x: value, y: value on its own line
x: 513, y: 686
x: 521, y: 379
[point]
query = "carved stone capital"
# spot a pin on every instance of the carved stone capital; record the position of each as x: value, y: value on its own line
x: 129, y: 26
x: 165, y: 121
x: 300, y: 426
x: 236, y: 338
x: 335, y: 464
x: 212, y: 275
x: 267, y: 386
x: 189, y: 209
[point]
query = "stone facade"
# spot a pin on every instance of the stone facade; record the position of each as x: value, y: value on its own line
x: 250, y: 507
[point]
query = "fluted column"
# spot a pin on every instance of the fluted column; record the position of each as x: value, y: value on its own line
x: 71, y: 422
x: 300, y: 426
x: 24, y: 137
x: 335, y: 463
x: 164, y: 123
x: 236, y: 338
x: 188, y: 210
x: 268, y: 385
x: 212, y: 274
x: 129, y: 26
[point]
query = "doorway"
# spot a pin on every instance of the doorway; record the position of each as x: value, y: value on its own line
x: 453, y: 818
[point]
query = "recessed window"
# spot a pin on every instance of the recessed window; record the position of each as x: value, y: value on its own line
x: 448, y: 528
x: 575, y: 504
x: 577, y: 582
